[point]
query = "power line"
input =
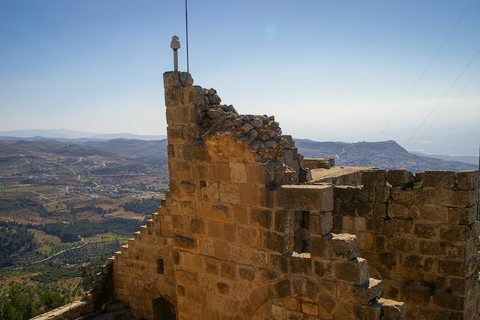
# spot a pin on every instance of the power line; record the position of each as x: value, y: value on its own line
x: 424, y: 71
x: 448, y: 106
x: 434, y: 108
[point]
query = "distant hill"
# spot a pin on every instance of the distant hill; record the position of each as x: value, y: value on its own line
x: 385, y: 155
x: 133, y: 147
x: 21, y: 147
x: 68, y: 135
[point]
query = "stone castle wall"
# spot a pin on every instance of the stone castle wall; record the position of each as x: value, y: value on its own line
x: 418, y: 235
x: 249, y: 230
x: 238, y: 236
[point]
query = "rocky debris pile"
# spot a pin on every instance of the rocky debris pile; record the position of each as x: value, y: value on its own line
x: 262, y: 133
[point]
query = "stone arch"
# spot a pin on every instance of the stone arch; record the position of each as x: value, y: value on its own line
x: 321, y: 294
x: 164, y: 309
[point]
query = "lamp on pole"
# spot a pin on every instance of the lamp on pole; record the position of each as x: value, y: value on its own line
x: 175, y: 45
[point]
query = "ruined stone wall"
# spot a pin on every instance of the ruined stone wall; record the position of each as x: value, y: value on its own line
x: 238, y: 236
x: 248, y: 241
x: 143, y: 269
x: 418, y: 235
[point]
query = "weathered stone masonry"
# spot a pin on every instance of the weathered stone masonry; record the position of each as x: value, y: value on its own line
x: 238, y: 236
x: 251, y: 230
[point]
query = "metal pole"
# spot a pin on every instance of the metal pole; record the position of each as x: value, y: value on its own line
x: 175, y: 60
x: 186, y: 31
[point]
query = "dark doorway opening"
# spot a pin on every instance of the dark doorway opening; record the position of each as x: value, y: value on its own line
x: 163, y: 310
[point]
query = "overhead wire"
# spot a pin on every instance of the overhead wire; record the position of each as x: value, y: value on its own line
x: 438, y: 103
x: 448, y: 106
x: 424, y: 71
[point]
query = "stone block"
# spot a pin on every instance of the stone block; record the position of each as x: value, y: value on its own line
x: 467, y: 180
x: 372, y: 311
x: 238, y: 172
x: 374, y: 177
x: 432, y: 247
x: 251, y: 195
x: 220, y: 213
x: 274, y: 241
x: 228, y: 270
x: 229, y: 232
x: 354, y: 271
x: 215, y: 229
x: 397, y: 210
x: 247, y: 236
x: 367, y: 293
x: 391, y: 309
x: 437, y: 214
x: 399, y: 177
x: 210, y: 191
x: 283, y: 288
x: 319, y: 246
x: 267, y: 275
x: 212, y: 266
x: 344, y: 246
x: 184, y: 242
x: 176, y: 80
x: 459, y: 233
x: 229, y: 193
x: 279, y: 262
x: 197, y: 226
x: 449, y: 300
x: 258, y: 258
x: 375, y: 224
x: 388, y: 258
x: 400, y: 195
x: 283, y: 220
x: 222, y: 172
x: 305, y: 197
x: 323, y: 268
x: 465, y: 216
x: 426, y: 231
x: 300, y: 265
x: 452, y: 268
x: 194, y: 152
x: 365, y: 209
x: 437, y: 179
x: 175, y: 134
x: 221, y: 249
x: 320, y: 223
x: 261, y: 217
x: 246, y: 273
x: 240, y: 214
x: 345, y: 193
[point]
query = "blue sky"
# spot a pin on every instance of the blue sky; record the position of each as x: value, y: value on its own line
x: 328, y: 70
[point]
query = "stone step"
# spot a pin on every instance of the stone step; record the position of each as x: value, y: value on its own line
x: 124, y: 248
x: 368, y: 292
x: 137, y: 235
x: 391, y: 309
x: 143, y: 230
x: 344, y: 245
x: 149, y: 223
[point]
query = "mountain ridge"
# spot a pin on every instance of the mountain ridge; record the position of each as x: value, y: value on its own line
x: 384, y: 154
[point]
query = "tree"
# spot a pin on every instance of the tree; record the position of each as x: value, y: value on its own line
x: 52, y: 299
x: 18, y: 304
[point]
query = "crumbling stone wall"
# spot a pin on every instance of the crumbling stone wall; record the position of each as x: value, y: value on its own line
x: 239, y: 237
x: 418, y: 235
